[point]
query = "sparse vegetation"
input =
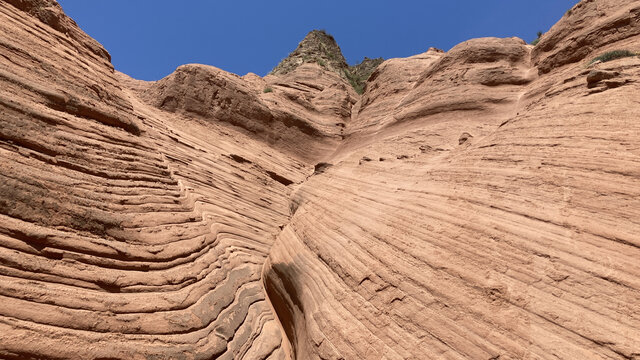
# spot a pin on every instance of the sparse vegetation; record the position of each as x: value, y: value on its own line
x: 569, y: 11
x: 324, y: 32
x: 537, y: 40
x: 359, y: 74
x: 321, y: 48
x: 267, y: 90
x: 355, y: 81
x: 612, y: 55
x: 330, y: 55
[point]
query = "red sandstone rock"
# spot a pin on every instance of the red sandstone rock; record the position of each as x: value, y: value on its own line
x: 481, y: 203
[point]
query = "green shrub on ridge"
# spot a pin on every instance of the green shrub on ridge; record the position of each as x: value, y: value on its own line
x: 612, y: 55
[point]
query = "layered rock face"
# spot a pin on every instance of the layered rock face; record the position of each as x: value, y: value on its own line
x: 488, y: 210
x: 127, y: 230
x: 481, y: 203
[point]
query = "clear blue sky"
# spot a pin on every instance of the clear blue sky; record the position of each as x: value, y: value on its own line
x: 148, y: 39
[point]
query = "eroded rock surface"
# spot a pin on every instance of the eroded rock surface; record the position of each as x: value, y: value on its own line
x: 479, y: 203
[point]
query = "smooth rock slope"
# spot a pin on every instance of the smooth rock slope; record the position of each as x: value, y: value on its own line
x: 480, y: 203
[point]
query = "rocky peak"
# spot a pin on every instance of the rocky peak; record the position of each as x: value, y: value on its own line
x: 321, y: 48
x: 317, y: 47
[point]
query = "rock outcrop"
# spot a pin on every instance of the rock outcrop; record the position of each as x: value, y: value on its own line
x: 479, y: 203
x: 359, y: 74
x: 319, y: 47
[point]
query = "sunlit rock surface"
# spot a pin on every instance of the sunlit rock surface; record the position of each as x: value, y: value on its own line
x: 480, y: 203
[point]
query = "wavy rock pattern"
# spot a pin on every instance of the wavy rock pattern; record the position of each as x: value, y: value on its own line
x: 480, y: 203
x: 125, y: 231
x: 518, y: 240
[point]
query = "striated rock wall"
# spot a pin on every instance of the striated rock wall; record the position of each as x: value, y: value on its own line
x: 480, y: 203
x: 485, y: 212
x: 126, y: 231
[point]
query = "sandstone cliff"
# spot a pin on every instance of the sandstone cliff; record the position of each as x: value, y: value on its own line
x: 479, y: 203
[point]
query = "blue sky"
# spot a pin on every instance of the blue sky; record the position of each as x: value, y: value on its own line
x: 148, y: 39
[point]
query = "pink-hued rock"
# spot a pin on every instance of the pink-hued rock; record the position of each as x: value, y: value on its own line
x: 479, y: 203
